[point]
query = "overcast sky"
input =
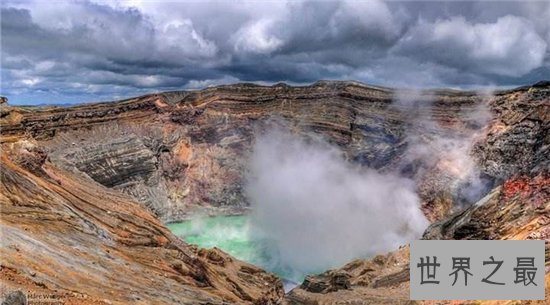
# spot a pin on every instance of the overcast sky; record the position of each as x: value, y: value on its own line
x: 78, y: 51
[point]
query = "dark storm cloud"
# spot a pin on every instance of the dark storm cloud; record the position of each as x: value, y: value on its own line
x: 82, y: 50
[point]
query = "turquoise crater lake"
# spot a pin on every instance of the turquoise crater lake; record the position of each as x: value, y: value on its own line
x: 232, y: 234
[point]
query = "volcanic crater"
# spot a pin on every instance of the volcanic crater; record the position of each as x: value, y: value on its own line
x: 87, y: 190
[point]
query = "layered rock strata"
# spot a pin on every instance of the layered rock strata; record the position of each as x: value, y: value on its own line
x: 69, y: 240
x: 182, y: 152
x: 85, y: 189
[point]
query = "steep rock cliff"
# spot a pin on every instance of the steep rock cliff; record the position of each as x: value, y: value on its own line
x: 180, y: 152
x: 76, y: 180
x: 514, y: 151
x: 519, y: 209
x: 68, y: 239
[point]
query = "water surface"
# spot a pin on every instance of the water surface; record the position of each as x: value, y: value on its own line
x: 232, y: 234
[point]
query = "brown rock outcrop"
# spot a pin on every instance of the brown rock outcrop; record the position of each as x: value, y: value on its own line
x: 519, y: 209
x: 68, y: 239
x: 167, y: 149
x: 89, y: 186
x: 514, y: 150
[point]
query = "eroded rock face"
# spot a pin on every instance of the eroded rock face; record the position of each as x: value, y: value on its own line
x: 182, y: 152
x: 519, y: 209
x: 516, y: 208
x: 519, y: 139
x: 88, y: 185
x: 67, y: 238
x: 514, y: 152
x: 381, y: 280
x: 121, y: 161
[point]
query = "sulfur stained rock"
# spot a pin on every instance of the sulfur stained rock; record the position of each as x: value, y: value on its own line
x: 519, y: 209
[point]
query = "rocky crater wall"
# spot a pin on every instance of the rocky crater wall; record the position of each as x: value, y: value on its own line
x: 185, y: 152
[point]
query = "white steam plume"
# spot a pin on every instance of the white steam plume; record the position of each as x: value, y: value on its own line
x: 431, y: 145
x: 318, y: 211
